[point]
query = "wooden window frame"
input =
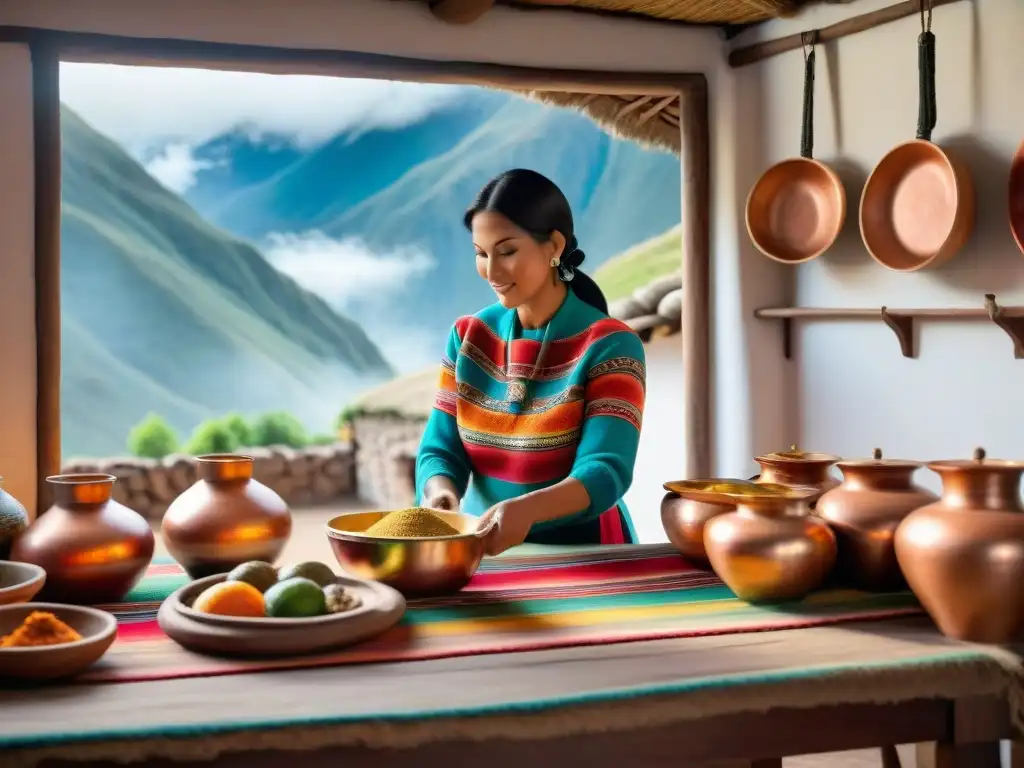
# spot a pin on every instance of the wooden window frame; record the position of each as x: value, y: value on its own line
x: 48, y: 48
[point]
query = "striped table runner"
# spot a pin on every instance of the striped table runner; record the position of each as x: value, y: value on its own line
x: 527, y: 600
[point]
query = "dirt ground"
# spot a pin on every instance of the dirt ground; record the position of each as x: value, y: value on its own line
x: 308, y: 542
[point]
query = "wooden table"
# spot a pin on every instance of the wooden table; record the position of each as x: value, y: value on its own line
x: 552, y: 707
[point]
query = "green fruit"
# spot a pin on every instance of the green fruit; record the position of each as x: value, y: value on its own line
x: 313, y: 571
x: 295, y: 598
x: 257, y: 573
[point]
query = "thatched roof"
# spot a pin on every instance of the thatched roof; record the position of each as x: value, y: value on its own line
x: 719, y: 12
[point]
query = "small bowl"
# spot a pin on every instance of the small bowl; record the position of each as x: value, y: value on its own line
x: 49, y: 662
x: 20, y: 582
x: 414, y: 566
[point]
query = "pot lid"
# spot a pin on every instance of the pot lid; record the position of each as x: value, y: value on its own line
x: 980, y: 461
x: 799, y: 457
x: 728, y: 491
x: 710, y: 485
x: 876, y: 460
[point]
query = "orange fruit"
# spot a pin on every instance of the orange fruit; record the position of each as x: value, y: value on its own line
x: 231, y: 598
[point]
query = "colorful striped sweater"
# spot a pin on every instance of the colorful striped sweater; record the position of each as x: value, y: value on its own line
x: 580, y: 418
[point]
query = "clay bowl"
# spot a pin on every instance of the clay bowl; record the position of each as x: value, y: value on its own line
x: 49, y: 662
x: 20, y: 582
x: 917, y: 208
x: 414, y: 566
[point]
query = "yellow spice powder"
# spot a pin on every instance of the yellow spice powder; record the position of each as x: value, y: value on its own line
x: 411, y: 523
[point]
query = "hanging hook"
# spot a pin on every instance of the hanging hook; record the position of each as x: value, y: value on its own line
x: 808, y: 40
x: 926, y: 18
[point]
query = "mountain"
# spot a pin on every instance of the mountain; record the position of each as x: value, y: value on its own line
x: 322, y: 184
x: 164, y: 312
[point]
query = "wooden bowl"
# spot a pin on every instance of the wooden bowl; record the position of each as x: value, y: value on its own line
x: 49, y: 662
x: 380, y: 609
x: 20, y: 582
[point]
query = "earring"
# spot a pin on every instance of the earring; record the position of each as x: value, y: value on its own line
x: 555, y: 262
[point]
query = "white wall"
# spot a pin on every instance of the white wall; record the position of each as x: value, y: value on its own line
x: 851, y: 388
x: 551, y: 39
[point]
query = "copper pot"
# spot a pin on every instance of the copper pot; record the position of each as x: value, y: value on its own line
x: 771, y: 549
x: 1017, y: 197
x: 683, y: 519
x: 93, y: 549
x: 963, y: 555
x: 796, y: 209
x: 225, y: 519
x: 917, y: 207
x: 798, y: 469
x: 864, y: 511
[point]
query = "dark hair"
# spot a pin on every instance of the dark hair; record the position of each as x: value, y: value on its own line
x: 536, y: 205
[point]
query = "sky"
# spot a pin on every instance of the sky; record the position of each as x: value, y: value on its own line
x: 160, y: 115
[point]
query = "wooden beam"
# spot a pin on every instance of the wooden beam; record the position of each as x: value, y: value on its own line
x: 460, y: 11
x: 46, y: 150
x: 695, y: 176
x: 750, y: 54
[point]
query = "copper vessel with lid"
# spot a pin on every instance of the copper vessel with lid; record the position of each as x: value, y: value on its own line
x: 771, y: 548
x: 864, y: 511
x: 799, y: 469
x: 93, y: 549
x: 963, y: 555
x: 225, y: 519
x: 683, y: 519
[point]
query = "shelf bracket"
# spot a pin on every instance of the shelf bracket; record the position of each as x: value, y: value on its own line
x: 903, y: 327
x: 787, y: 338
x: 1012, y: 326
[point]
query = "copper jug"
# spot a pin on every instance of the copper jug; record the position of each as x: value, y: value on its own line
x: 93, y: 549
x: 683, y: 519
x: 225, y: 519
x: 771, y: 549
x: 799, y: 469
x: 963, y: 555
x: 864, y: 511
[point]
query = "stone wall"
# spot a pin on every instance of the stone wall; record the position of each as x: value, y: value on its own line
x: 385, y: 455
x: 303, y: 477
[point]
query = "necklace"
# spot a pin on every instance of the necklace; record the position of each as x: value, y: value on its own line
x: 518, y: 388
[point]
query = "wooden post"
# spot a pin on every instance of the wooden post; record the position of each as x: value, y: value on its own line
x: 695, y: 173
x: 46, y: 142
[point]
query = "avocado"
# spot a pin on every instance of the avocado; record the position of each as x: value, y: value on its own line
x: 317, y: 572
x: 257, y: 573
x: 295, y: 598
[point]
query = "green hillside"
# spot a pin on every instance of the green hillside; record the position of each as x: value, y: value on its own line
x: 163, y: 312
x: 623, y: 274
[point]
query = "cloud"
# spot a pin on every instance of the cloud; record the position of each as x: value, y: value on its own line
x: 346, y: 271
x: 145, y: 107
x: 176, y: 167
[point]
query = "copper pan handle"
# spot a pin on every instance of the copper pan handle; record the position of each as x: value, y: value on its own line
x: 927, y: 105
x: 808, y: 40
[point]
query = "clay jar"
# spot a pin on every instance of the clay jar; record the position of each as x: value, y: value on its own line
x: 771, y: 549
x: 963, y: 555
x: 799, y: 469
x: 225, y: 519
x: 93, y: 549
x: 875, y: 496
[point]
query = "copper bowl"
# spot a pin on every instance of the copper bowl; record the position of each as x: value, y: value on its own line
x: 20, y: 582
x: 414, y: 566
x: 49, y: 662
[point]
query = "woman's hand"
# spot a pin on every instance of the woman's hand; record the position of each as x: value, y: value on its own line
x: 439, y: 493
x: 510, y: 523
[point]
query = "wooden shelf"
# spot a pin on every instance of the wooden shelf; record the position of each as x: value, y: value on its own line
x: 901, y: 321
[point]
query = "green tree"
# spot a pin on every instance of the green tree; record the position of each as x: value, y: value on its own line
x: 323, y: 439
x: 279, y: 428
x: 152, y: 438
x: 212, y: 436
x: 240, y: 428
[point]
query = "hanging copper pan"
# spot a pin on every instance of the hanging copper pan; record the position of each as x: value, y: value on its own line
x: 796, y: 209
x: 917, y: 209
x: 1017, y: 197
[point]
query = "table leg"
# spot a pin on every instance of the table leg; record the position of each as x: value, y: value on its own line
x: 890, y: 757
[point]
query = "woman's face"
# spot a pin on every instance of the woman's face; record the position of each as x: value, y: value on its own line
x: 516, y: 266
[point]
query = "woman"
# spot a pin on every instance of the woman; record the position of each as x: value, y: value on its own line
x: 537, y: 415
